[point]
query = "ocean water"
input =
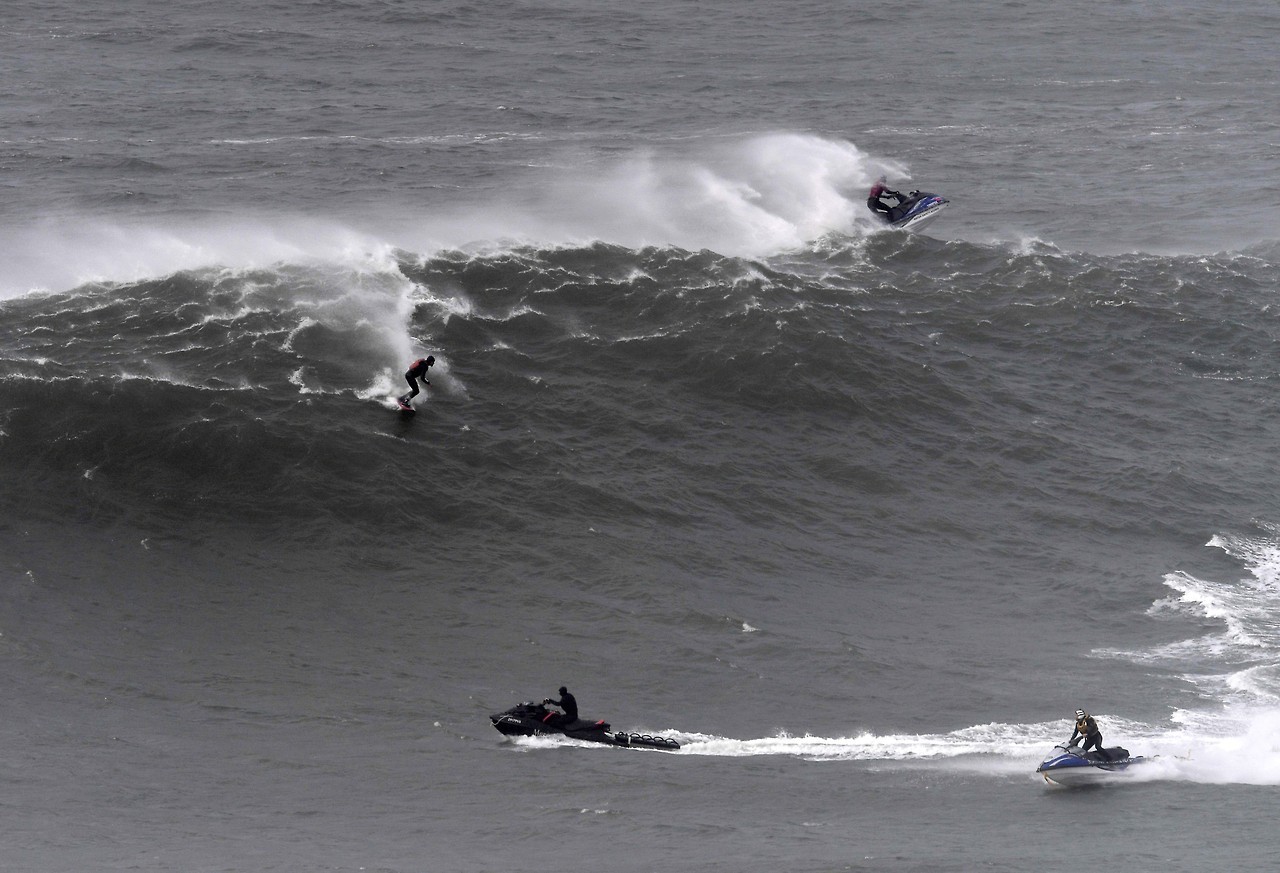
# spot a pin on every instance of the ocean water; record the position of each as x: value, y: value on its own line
x: 859, y: 516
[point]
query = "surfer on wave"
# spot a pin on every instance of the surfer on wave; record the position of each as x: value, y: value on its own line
x: 417, y: 370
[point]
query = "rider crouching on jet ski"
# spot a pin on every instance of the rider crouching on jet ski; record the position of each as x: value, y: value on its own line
x: 876, y: 199
x: 568, y: 703
x: 1087, y: 728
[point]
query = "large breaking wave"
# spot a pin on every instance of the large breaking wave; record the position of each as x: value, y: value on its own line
x: 739, y: 197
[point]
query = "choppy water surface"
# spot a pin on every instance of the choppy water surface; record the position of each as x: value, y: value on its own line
x: 860, y: 517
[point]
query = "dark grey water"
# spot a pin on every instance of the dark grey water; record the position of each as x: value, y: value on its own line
x: 860, y: 517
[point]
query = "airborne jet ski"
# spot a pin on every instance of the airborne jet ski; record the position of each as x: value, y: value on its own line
x: 1070, y: 766
x: 527, y: 719
x: 917, y: 210
x: 912, y: 210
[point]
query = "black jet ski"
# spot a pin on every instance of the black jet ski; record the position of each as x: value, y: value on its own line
x: 918, y: 209
x: 529, y: 719
x: 1070, y: 766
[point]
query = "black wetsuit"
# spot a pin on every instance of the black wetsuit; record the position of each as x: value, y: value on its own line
x: 569, y: 704
x: 417, y: 370
x: 877, y: 205
x: 1088, y: 728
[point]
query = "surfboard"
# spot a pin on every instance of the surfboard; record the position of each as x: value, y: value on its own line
x: 406, y: 408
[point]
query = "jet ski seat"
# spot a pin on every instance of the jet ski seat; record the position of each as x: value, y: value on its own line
x: 1115, y: 753
x: 583, y: 724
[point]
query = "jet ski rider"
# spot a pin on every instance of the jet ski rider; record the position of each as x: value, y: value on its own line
x: 1087, y: 728
x: 568, y: 703
x: 876, y: 199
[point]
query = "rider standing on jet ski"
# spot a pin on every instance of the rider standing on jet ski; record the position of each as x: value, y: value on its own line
x: 568, y: 703
x: 876, y: 202
x: 1088, y: 728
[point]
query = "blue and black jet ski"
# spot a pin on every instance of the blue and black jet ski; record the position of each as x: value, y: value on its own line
x: 1070, y: 766
x: 917, y: 210
x: 530, y: 719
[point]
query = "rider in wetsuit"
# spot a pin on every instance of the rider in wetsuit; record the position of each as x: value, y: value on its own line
x: 568, y: 703
x: 1087, y: 728
x: 876, y: 202
x: 417, y: 370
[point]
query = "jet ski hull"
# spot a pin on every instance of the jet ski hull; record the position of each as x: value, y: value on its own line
x: 533, y: 719
x: 917, y: 211
x: 1069, y: 766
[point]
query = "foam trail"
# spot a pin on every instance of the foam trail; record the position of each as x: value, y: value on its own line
x: 1252, y: 758
x: 1009, y: 740
x: 1234, y: 747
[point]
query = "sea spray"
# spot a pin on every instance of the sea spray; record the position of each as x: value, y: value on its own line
x: 750, y: 197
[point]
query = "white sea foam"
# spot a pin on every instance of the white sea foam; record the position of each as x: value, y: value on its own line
x: 1235, y: 736
x: 61, y: 254
x: 1238, y: 747
x: 1233, y: 739
x: 1001, y: 740
x: 750, y: 197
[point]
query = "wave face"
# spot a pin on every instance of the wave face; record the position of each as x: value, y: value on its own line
x: 625, y: 364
